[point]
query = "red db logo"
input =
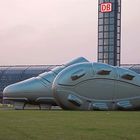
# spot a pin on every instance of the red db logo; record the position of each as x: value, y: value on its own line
x: 106, y: 7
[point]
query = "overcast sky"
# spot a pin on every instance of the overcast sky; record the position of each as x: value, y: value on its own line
x: 55, y: 31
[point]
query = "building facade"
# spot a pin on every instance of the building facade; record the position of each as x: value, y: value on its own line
x: 109, y: 31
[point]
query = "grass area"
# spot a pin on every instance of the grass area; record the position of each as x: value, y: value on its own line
x: 69, y: 125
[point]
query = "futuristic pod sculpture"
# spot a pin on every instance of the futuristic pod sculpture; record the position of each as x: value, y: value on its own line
x: 36, y: 90
x: 96, y: 86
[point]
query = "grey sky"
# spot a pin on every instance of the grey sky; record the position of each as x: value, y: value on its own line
x: 55, y: 31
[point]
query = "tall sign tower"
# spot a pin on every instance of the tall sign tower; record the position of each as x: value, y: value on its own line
x: 109, y: 31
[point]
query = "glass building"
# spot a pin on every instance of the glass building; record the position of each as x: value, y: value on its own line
x: 109, y: 31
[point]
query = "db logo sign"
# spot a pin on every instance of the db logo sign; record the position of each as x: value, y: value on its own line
x: 106, y: 7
